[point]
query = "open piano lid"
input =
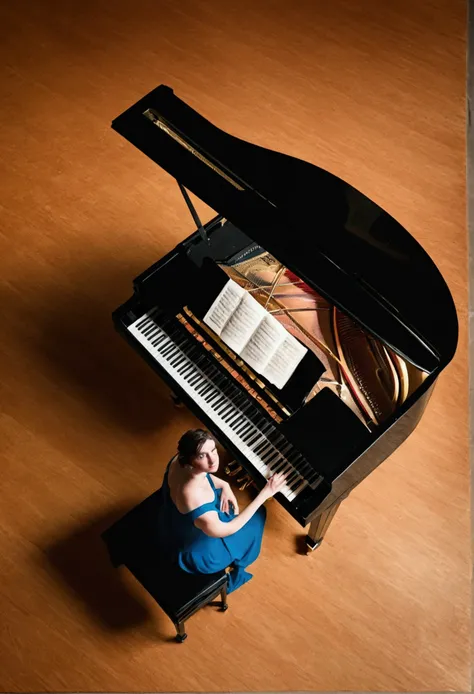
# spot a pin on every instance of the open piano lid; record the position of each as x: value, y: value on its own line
x: 324, y: 230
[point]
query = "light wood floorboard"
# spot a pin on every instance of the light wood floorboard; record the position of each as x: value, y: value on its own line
x: 373, y: 92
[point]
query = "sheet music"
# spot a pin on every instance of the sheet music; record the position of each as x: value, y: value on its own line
x: 284, y: 361
x: 255, y: 335
x: 242, y: 324
x: 224, y: 305
x: 262, y: 344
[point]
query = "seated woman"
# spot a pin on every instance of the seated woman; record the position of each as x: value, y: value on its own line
x: 200, y: 524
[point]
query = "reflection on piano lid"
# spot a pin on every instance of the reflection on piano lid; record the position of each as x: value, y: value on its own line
x: 327, y: 270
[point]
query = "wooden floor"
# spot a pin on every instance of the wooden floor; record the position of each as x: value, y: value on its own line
x: 373, y: 92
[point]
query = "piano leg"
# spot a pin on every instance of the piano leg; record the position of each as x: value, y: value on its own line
x: 181, y: 634
x: 176, y: 400
x: 320, y: 524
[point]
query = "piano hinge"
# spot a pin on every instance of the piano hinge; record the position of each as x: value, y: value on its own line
x: 166, y: 127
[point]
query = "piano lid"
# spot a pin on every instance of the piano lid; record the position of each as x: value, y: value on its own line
x: 327, y: 232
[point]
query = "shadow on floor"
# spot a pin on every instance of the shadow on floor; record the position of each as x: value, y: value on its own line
x: 67, y: 325
x: 81, y: 564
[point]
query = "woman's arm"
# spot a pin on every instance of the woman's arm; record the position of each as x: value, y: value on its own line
x: 227, y: 495
x: 220, y: 484
x: 210, y: 524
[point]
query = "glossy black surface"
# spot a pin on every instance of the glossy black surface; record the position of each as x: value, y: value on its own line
x: 327, y: 232
x: 335, y: 239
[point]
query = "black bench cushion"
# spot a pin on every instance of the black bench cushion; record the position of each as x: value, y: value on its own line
x: 132, y: 541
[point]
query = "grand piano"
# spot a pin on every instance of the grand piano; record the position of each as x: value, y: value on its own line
x: 341, y: 322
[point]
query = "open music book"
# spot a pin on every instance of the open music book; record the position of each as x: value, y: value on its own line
x: 254, y: 334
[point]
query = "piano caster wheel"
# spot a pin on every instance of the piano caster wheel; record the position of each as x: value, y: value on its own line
x: 176, y: 400
x: 311, y: 545
x: 224, y: 608
x: 180, y: 637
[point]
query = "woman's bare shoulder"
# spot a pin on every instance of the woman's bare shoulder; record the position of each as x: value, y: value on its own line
x: 176, y: 487
x: 186, y: 494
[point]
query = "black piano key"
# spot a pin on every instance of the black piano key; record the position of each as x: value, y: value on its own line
x: 159, y: 337
x: 143, y: 322
x: 219, y: 402
x: 242, y: 425
x: 228, y: 415
x: 254, y: 438
x: 224, y: 408
x: 250, y: 436
x: 272, y: 456
x: 201, y: 387
x: 293, y: 484
x: 263, y: 445
x: 199, y: 362
x: 247, y: 412
x: 220, y: 381
x: 207, y: 389
x: 151, y: 332
x: 185, y: 368
x: 173, y: 355
x: 236, y: 416
x: 160, y: 340
x: 238, y: 400
x: 180, y: 359
x: 213, y: 395
x: 292, y: 476
x: 243, y: 428
x: 194, y: 378
x: 150, y: 329
x: 190, y: 374
x: 237, y: 412
x: 216, y: 397
x: 280, y: 464
x: 167, y: 349
x: 307, y: 470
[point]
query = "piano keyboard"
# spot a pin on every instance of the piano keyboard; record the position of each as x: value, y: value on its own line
x: 230, y: 409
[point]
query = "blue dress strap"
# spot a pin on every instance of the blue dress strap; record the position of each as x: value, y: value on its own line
x: 211, y: 482
x: 210, y: 506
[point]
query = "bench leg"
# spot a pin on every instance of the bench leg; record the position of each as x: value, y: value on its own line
x: 224, y: 604
x: 181, y: 634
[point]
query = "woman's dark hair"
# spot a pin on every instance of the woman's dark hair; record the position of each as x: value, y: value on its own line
x: 191, y: 443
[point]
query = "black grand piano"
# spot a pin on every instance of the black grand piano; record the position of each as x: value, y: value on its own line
x: 302, y: 325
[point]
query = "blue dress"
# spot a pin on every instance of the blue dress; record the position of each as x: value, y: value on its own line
x: 196, y: 552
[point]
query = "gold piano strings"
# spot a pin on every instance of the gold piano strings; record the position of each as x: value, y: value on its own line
x: 230, y: 367
x: 276, y: 279
x: 161, y: 123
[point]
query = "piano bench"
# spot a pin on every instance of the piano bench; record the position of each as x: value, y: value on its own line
x: 179, y: 594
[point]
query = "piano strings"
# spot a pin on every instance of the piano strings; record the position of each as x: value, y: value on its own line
x: 366, y: 375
